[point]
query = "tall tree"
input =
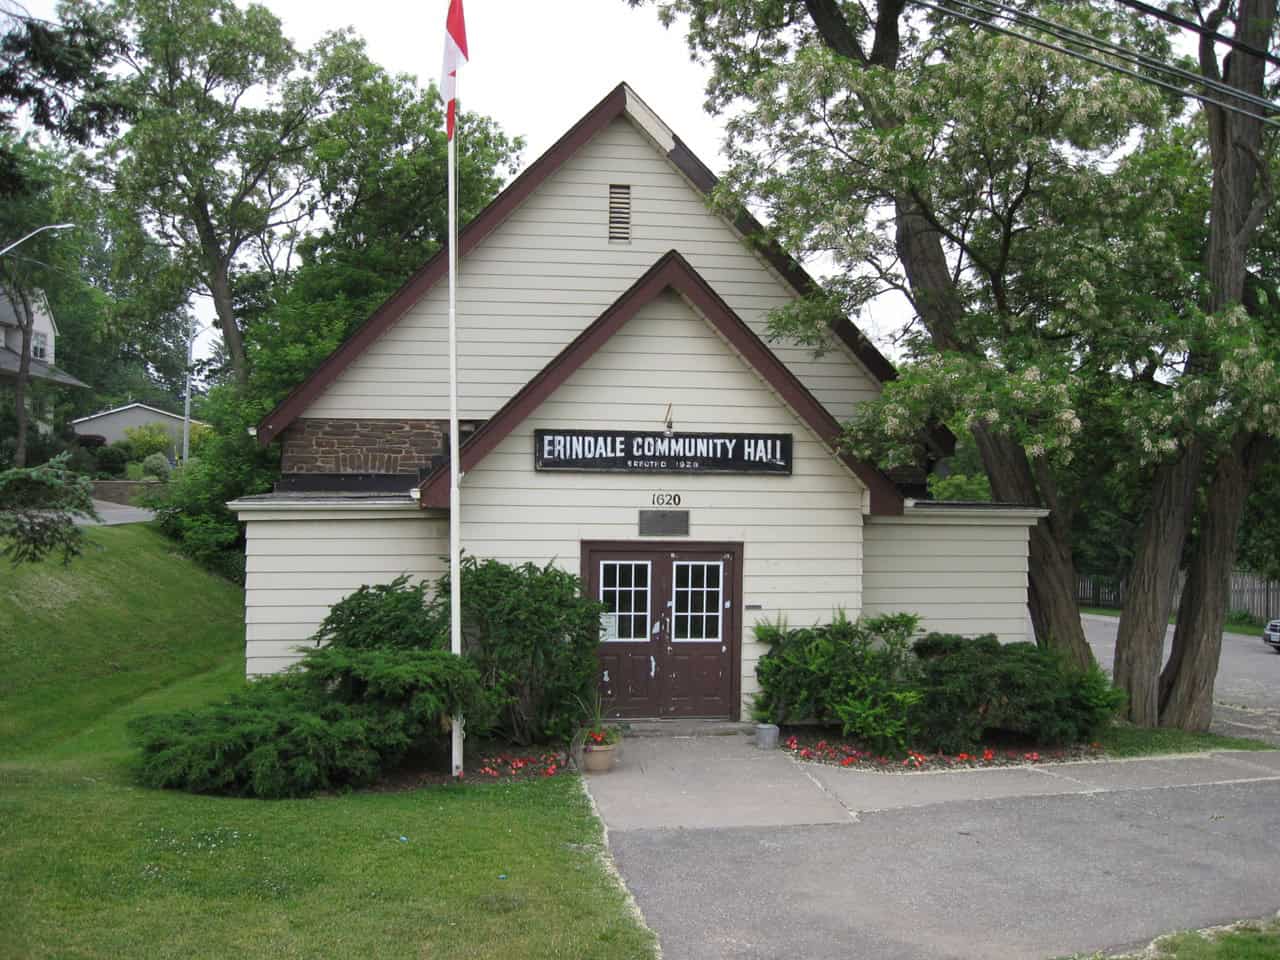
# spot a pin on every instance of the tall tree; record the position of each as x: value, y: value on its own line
x: 379, y: 187
x: 1243, y: 197
x: 57, y: 75
x: 968, y: 172
x: 220, y: 108
x: 27, y: 269
x: 1235, y: 436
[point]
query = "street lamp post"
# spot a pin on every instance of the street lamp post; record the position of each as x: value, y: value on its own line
x: 47, y: 226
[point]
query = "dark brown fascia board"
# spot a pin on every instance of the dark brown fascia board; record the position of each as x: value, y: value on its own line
x: 700, y: 175
x: 600, y: 116
x: 687, y: 162
x: 674, y: 272
x: 501, y: 207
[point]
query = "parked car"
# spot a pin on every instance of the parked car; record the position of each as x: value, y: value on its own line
x: 1271, y: 635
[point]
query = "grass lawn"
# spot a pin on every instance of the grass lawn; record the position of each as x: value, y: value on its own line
x: 1250, y: 940
x: 1230, y: 626
x: 1123, y: 740
x: 93, y: 866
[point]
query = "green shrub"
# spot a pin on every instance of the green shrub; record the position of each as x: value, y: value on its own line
x: 133, y: 471
x: 192, y: 507
x: 156, y: 465
x: 533, y: 635
x: 112, y: 459
x: 970, y: 686
x: 396, y: 614
x: 338, y: 719
x: 148, y: 438
x: 383, y: 684
x: 1243, y: 615
x: 944, y: 694
x: 38, y: 511
x: 858, y: 674
x: 81, y: 460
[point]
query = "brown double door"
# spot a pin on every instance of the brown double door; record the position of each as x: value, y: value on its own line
x: 671, y: 632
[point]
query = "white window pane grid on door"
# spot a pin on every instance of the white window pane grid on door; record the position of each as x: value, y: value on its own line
x: 697, y: 600
x: 624, y: 591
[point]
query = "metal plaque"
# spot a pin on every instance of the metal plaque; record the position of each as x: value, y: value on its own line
x: 664, y: 523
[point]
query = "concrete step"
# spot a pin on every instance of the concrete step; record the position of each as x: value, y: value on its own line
x: 680, y: 727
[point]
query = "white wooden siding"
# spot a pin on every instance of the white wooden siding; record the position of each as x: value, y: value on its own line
x: 802, y: 535
x: 543, y: 275
x: 298, y: 565
x: 965, y: 577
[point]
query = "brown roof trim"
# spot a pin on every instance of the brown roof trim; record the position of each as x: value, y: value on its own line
x: 672, y: 271
x: 502, y: 206
x: 786, y: 265
x: 700, y: 175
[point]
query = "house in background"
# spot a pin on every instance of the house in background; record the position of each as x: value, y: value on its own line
x: 112, y: 424
x: 43, y: 344
x: 624, y: 418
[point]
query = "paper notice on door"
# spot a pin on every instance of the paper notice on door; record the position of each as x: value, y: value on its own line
x: 608, y: 626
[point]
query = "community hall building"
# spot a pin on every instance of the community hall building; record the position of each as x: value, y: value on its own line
x: 622, y: 415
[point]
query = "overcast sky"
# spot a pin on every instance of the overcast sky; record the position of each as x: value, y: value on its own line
x: 536, y: 65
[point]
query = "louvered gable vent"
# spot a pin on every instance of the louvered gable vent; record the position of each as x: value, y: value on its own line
x: 620, y: 212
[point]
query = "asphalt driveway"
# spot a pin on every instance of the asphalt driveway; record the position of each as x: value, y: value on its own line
x: 113, y: 514
x: 1247, y: 692
x: 731, y: 852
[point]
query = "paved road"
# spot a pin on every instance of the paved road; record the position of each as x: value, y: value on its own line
x: 1247, y: 695
x: 734, y: 853
x: 113, y: 514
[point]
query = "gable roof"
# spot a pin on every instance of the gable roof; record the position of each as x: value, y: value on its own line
x: 10, y: 364
x: 130, y: 406
x: 622, y: 100
x: 671, y: 272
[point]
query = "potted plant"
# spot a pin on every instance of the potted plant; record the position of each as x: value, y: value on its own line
x: 599, y: 741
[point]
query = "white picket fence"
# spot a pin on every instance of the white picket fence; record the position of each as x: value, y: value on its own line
x: 1259, y: 596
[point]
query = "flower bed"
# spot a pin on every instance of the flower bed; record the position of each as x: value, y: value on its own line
x: 818, y: 746
x: 521, y: 765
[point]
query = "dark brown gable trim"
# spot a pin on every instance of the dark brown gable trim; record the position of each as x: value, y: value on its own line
x: 671, y: 271
x: 700, y: 175
x: 501, y: 207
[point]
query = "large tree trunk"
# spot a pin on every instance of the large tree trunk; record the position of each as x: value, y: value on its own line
x: 26, y: 323
x: 1236, y: 209
x: 1149, y: 588
x: 220, y: 291
x: 1186, y: 685
x: 1051, y: 595
x: 1052, y: 578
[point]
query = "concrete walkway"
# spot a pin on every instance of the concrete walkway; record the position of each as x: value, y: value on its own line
x: 735, y: 852
x: 113, y: 514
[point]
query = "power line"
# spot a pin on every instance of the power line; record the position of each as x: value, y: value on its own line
x: 1100, y: 45
x: 1186, y: 24
x: 987, y: 25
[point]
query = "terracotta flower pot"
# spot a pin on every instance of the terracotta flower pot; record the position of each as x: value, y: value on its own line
x: 599, y: 757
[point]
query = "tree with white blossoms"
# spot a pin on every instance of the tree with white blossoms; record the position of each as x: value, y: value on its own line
x: 1043, y: 218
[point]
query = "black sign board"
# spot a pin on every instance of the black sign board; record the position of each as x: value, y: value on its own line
x: 643, y: 451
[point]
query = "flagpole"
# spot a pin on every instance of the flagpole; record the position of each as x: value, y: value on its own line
x: 455, y: 497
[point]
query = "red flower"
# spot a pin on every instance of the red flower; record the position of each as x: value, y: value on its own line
x: 848, y: 761
x: 988, y: 755
x: 550, y: 771
x: 963, y: 756
x: 806, y: 753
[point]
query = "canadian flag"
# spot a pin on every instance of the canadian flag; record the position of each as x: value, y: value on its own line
x: 455, y: 55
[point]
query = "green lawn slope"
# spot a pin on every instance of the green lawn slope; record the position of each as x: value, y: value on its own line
x: 128, y: 618
x: 93, y: 866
